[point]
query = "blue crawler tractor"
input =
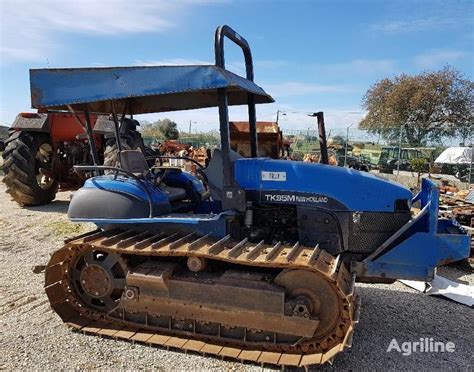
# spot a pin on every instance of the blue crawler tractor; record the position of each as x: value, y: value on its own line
x: 253, y: 258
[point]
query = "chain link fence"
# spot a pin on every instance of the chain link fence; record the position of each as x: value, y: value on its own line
x: 207, y: 140
x: 359, y: 149
x: 395, y: 159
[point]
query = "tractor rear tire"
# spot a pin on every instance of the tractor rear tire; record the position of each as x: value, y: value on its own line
x: 111, y: 153
x: 133, y: 141
x: 26, y: 157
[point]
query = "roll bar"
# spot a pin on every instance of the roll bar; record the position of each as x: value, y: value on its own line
x: 221, y: 33
x: 226, y: 31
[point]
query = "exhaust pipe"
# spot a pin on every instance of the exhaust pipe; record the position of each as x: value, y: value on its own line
x: 323, y: 145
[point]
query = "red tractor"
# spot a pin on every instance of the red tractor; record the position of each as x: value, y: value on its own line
x: 43, y: 148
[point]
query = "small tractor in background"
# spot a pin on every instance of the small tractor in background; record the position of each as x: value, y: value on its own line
x: 43, y: 148
x: 343, y: 156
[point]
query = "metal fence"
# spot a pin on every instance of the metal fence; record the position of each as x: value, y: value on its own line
x: 355, y: 147
x: 207, y: 140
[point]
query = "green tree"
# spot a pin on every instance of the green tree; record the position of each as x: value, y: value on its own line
x: 429, y: 106
x: 418, y: 165
x: 164, y: 128
x: 338, y: 140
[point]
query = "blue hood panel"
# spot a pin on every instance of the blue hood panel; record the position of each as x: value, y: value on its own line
x: 358, y: 191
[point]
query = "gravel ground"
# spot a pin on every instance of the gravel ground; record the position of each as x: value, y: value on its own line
x: 32, y: 336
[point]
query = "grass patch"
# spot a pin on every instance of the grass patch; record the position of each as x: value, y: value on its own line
x: 59, y: 228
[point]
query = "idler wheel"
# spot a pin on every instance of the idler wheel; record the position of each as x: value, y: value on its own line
x: 99, y: 279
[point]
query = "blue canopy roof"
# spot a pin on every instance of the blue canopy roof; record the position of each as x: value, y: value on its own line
x: 141, y: 89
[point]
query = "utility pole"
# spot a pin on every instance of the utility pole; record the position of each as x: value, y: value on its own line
x: 471, y: 164
x: 347, y: 140
x: 190, y: 121
x: 278, y: 115
x: 399, y: 151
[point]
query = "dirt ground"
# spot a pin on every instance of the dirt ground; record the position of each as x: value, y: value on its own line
x: 33, y: 337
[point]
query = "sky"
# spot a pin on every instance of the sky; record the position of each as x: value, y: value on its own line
x: 309, y: 55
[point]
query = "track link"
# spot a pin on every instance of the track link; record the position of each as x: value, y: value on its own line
x: 67, y: 305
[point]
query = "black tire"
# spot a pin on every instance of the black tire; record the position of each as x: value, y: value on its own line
x: 149, y: 152
x: 133, y: 141
x: 25, y: 155
x: 111, y: 152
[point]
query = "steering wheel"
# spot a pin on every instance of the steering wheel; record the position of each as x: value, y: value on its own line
x: 156, y: 179
x: 199, y: 170
x: 201, y: 175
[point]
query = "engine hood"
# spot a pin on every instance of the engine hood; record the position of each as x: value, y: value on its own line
x: 319, y: 184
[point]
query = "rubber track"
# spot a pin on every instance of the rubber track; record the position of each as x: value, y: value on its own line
x: 64, y: 303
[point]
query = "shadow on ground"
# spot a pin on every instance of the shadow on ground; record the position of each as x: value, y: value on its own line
x: 392, y: 313
x: 57, y: 206
x: 456, y: 270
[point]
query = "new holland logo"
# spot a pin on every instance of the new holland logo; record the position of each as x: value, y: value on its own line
x: 292, y: 198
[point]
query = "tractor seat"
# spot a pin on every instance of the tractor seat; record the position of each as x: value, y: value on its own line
x: 173, y: 193
x: 134, y: 161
